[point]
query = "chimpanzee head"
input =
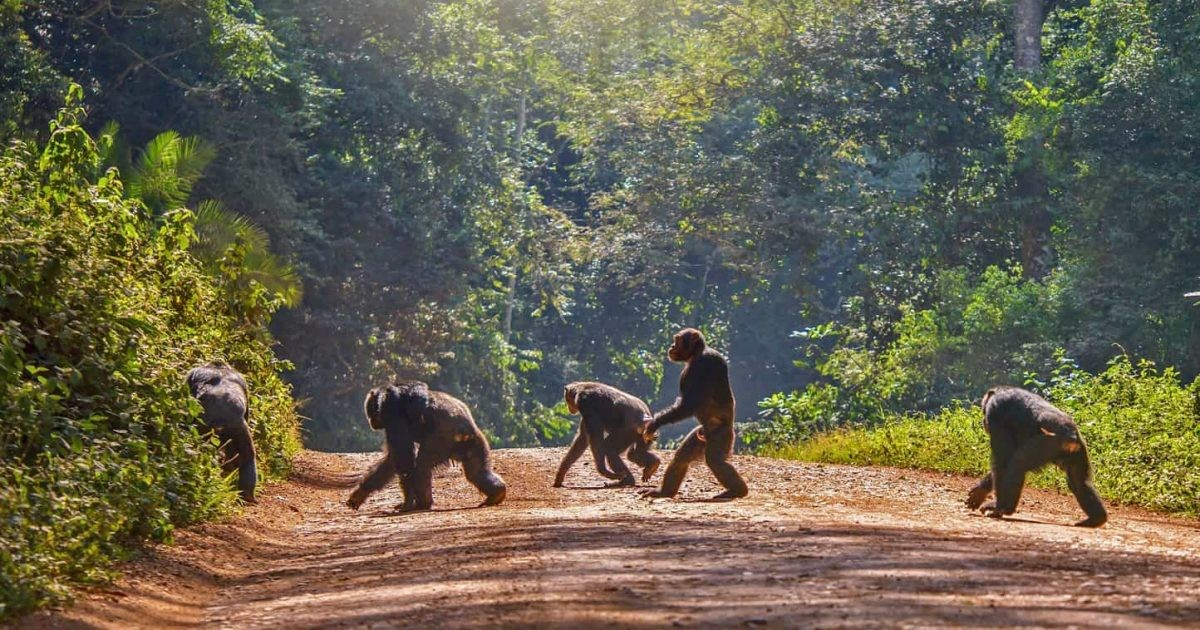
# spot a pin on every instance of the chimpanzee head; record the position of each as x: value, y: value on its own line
x: 400, y: 403
x: 688, y: 343
x: 569, y: 393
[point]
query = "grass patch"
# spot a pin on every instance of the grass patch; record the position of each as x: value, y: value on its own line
x: 1142, y: 426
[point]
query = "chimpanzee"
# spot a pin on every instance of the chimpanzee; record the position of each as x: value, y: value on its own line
x: 423, y: 431
x: 607, y: 410
x: 704, y: 393
x: 1027, y: 433
x: 223, y: 394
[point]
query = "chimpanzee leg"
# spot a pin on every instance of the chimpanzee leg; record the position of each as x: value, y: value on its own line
x: 718, y: 448
x: 478, y: 470
x: 239, y: 455
x: 431, y: 454
x: 1035, y: 453
x: 573, y: 454
x: 615, y: 444
x: 410, y: 497
x: 640, y: 454
x: 692, y: 450
x: 595, y: 433
x: 1079, y: 480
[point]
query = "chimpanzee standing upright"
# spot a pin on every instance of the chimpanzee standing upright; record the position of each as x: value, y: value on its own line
x: 704, y: 393
x: 1026, y: 434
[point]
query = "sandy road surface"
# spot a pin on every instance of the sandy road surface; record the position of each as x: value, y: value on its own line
x: 813, y: 546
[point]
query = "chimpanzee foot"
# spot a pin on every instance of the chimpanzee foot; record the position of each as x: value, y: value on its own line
x: 990, y: 510
x: 1092, y: 521
x: 649, y: 471
x: 655, y: 493
x: 625, y: 482
x: 496, y: 498
x: 729, y: 495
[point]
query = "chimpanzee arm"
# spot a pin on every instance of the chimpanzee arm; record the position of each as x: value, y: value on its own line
x: 380, y: 474
x: 692, y: 390
x: 573, y: 454
x: 980, y: 492
x: 239, y: 453
x: 1031, y: 455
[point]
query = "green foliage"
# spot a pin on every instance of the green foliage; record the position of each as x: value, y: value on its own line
x: 501, y: 196
x: 997, y: 329
x: 102, y: 310
x: 1141, y: 425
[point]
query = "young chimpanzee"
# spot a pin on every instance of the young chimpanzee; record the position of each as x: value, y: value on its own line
x: 223, y: 394
x: 704, y: 393
x: 423, y: 431
x: 1027, y: 433
x: 608, y: 410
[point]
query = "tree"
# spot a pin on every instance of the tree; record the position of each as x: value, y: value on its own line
x: 1030, y: 196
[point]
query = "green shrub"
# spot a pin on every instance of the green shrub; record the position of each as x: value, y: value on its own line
x: 1141, y: 424
x: 994, y: 329
x: 102, y: 311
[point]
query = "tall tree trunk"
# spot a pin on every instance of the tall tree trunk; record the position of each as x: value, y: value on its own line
x: 1028, y: 49
x: 511, y: 298
x: 509, y: 301
x: 1031, y: 195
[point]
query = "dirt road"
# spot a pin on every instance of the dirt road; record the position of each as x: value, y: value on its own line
x: 813, y: 546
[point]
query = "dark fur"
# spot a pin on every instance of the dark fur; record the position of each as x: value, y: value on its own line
x: 704, y: 393
x: 223, y: 394
x: 1026, y: 434
x: 611, y: 423
x: 424, y: 430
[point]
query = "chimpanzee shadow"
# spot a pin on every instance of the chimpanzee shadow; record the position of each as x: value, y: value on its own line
x: 1028, y: 521
x: 607, y: 487
x: 394, y: 513
x: 706, y: 500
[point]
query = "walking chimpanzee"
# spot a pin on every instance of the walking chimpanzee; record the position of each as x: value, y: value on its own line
x: 425, y: 430
x: 704, y: 393
x: 611, y: 424
x: 1026, y: 434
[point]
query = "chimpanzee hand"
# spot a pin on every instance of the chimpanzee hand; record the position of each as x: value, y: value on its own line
x: 992, y: 511
x: 976, y: 497
x: 648, y: 431
x: 356, y: 499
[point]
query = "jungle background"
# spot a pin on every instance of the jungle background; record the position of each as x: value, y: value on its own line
x: 876, y: 209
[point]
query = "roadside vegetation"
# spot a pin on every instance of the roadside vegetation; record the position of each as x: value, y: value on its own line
x: 104, y: 306
x: 876, y: 209
x: 1141, y: 424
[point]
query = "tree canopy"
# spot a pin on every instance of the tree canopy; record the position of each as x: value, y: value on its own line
x: 502, y: 196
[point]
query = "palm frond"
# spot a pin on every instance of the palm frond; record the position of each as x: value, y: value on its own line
x: 167, y: 169
x: 218, y: 229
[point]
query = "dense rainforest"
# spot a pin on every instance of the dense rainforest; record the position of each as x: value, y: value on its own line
x: 874, y: 208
